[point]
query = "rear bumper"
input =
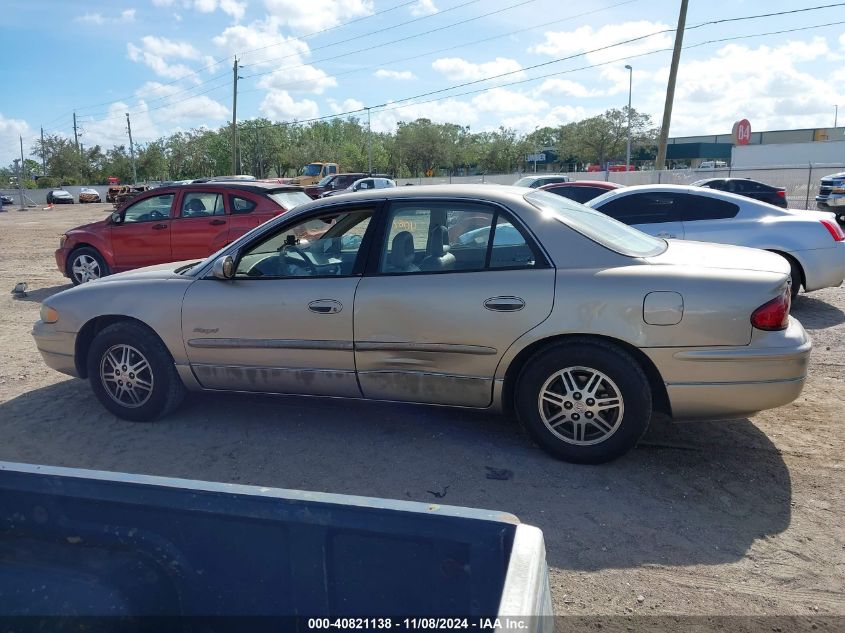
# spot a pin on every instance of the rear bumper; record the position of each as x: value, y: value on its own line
x: 731, y: 382
x: 56, y: 348
x: 823, y: 267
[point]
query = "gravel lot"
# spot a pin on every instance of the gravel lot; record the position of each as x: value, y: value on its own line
x: 739, y: 517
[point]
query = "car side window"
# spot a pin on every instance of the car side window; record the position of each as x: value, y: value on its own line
x: 202, y: 204
x: 240, y: 205
x: 438, y: 237
x: 645, y: 208
x: 317, y: 246
x: 149, y: 209
x: 706, y: 208
x: 584, y: 194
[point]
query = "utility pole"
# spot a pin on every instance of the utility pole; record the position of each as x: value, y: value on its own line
x: 43, y: 154
x: 235, y: 118
x: 369, y: 144
x: 630, y: 86
x: 20, y: 173
x: 131, y: 150
x: 75, y: 135
x: 835, y: 115
x: 670, y: 88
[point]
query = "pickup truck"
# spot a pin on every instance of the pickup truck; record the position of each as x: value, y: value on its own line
x: 831, y: 196
x: 86, y: 544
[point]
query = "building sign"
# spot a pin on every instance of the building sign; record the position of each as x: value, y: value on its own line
x: 742, y: 132
x: 536, y: 158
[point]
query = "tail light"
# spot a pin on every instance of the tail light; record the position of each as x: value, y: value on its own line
x: 781, y: 193
x: 834, y: 229
x: 774, y: 314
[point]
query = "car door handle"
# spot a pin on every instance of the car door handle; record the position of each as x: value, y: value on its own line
x: 666, y: 234
x: 159, y: 227
x: 325, y: 306
x: 504, y: 304
x: 217, y: 222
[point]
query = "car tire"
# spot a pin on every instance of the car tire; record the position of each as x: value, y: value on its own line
x: 85, y: 264
x: 796, y: 275
x: 584, y: 401
x: 147, y: 394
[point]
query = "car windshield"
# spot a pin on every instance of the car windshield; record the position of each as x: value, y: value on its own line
x: 312, y: 170
x: 596, y: 226
x: 325, y: 181
x: 290, y: 199
x: 526, y: 181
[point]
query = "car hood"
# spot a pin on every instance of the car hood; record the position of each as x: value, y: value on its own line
x: 61, y: 194
x: 99, y: 225
x: 720, y: 256
x: 148, y: 273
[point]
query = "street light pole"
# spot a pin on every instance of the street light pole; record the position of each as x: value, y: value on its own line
x: 835, y: 115
x: 536, y: 151
x: 369, y: 144
x: 630, y: 86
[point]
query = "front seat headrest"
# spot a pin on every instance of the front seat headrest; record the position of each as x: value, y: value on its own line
x: 438, y: 241
x: 402, y: 250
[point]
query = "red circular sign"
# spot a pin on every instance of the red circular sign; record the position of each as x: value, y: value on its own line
x: 742, y: 132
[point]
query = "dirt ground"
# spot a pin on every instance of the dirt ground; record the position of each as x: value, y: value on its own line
x: 716, y: 518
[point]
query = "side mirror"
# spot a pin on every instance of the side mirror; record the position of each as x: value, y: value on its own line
x: 224, y: 267
x: 116, y: 218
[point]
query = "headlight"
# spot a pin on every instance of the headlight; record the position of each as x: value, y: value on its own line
x: 48, y: 314
x: 62, y: 241
x: 839, y: 189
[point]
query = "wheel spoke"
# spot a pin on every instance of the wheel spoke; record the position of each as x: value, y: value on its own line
x: 144, y: 384
x: 569, y: 382
x: 140, y: 366
x: 578, y: 431
x: 557, y: 419
x: 607, y: 403
x: 553, y: 398
x: 593, y: 384
x: 604, y: 425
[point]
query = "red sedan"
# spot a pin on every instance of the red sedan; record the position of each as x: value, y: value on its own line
x: 171, y: 224
x: 581, y: 190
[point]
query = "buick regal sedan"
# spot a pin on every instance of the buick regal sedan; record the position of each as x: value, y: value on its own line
x: 578, y: 324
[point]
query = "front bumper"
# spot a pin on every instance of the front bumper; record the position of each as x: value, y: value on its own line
x: 732, y: 382
x: 61, y: 260
x: 57, y: 348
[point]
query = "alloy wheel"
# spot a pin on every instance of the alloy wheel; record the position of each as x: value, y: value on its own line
x: 126, y: 375
x: 85, y: 268
x: 581, y: 405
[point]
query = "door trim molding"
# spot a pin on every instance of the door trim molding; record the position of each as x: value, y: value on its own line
x: 269, y: 343
x: 435, y: 348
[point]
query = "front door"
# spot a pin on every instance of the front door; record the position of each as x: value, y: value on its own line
x: 143, y: 236
x: 284, y: 323
x: 442, y: 304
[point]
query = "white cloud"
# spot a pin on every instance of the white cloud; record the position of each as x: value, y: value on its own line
x: 458, y: 69
x: 170, y: 103
x: 305, y: 17
x: 402, y: 75
x: 10, y: 130
x: 565, y: 87
x: 205, y: 6
x: 423, y: 7
x: 448, y: 111
x: 765, y: 84
x: 348, y: 105
x: 500, y: 101
x: 155, y: 51
x: 279, y: 105
x: 233, y: 8
x: 128, y: 15
x: 275, y: 49
x: 526, y: 123
x: 305, y: 79
x: 585, y: 38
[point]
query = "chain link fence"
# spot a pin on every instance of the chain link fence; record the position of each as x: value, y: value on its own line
x: 801, y: 182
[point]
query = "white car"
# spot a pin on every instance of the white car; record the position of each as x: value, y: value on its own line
x: 363, y: 184
x: 811, y: 241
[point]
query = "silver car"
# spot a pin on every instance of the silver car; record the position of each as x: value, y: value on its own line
x: 811, y: 241
x: 362, y: 184
x: 579, y: 324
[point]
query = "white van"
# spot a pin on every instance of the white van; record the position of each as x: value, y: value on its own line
x: 713, y: 164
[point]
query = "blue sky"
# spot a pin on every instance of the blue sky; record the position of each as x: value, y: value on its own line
x: 169, y: 63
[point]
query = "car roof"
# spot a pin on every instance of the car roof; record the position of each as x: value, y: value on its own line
x: 737, y: 199
x: 603, y: 184
x: 243, y: 185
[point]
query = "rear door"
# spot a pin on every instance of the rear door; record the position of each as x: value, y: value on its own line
x: 246, y: 211
x: 143, y: 236
x: 657, y: 213
x: 201, y: 226
x: 441, y: 303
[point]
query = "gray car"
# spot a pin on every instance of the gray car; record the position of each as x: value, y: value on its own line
x: 811, y: 241
x: 578, y: 324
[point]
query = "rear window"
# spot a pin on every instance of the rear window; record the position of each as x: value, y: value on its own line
x: 596, y: 226
x: 289, y: 199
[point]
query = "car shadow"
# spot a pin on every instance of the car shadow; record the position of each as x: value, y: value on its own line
x: 695, y: 493
x: 816, y: 314
x: 39, y: 294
